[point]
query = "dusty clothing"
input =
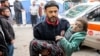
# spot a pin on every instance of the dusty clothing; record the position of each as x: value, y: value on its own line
x: 72, y: 44
x: 40, y: 45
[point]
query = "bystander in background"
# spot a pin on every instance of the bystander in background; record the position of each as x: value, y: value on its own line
x: 34, y: 13
x: 18, y: 8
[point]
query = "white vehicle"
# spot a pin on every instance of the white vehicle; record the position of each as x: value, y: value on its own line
x: 82, y: 10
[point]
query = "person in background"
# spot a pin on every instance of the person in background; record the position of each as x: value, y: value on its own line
x: 5, y: 3
x: 44, y: 33
x: 34, y: 13
x: 95, y: 15
x: 18, y: 8
x: 7, y: 29
x: 73, y: 37
x: 41, y: 12
x: 3, y: 44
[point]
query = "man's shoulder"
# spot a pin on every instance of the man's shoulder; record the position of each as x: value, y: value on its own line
x: 62, y: 20
x: 40, y: 24
x: 2, y: 18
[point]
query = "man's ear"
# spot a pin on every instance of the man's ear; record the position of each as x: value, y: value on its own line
x: 2, y: 13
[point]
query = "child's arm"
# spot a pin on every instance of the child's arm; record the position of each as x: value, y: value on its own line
x: 73, y: 45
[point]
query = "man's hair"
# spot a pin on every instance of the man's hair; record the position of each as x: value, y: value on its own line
x: 51, y: 4
x: 2, y: 9
x: 84, y: 22
x: 3, y: 1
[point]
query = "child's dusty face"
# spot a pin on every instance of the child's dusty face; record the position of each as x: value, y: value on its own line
x: 77, y: 27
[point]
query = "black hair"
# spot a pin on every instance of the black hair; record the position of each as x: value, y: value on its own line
x: 84, y: 22
x: 3, y: 1
x: 50, y: 4
x: 2, y: 9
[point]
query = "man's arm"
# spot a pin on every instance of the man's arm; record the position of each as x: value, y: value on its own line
x: 66, y: 24
x: 5, y: 27
x: 21, y: 5
x: 17, y: 7
x: 37, y: 33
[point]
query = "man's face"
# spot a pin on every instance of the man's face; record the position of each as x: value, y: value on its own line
x: 6, y: 13
x: 34, y: 3
x: 52, y: 13
x: 42, y: 4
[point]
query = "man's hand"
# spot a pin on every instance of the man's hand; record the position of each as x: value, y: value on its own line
x: 1, y: 54
x: 12, y: 41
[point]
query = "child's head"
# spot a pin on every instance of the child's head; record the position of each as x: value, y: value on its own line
x: 80, y: 25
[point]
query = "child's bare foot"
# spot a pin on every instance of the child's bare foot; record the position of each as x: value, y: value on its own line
x: 45, y: 52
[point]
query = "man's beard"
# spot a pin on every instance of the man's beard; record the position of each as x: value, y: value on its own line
x: 53, y: 19
x: 7, y: 17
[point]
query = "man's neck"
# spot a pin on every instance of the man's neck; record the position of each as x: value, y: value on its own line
x: 52, y: 23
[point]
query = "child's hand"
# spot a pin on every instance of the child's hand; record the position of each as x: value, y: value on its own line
x: 58, y: 38
x: 12, y: 41
x: 62, y: 33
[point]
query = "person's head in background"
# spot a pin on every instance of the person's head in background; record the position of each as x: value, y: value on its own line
x: 33, y: 3
x: 17, y: 0
x: 4, y: 3
x: 51, y: 10
x: 4, y: 11
x: 42, y: 3
x: 80, y: 25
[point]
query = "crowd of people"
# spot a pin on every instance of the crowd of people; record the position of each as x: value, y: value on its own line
x: 37, y: 13
x: 7, y: 35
